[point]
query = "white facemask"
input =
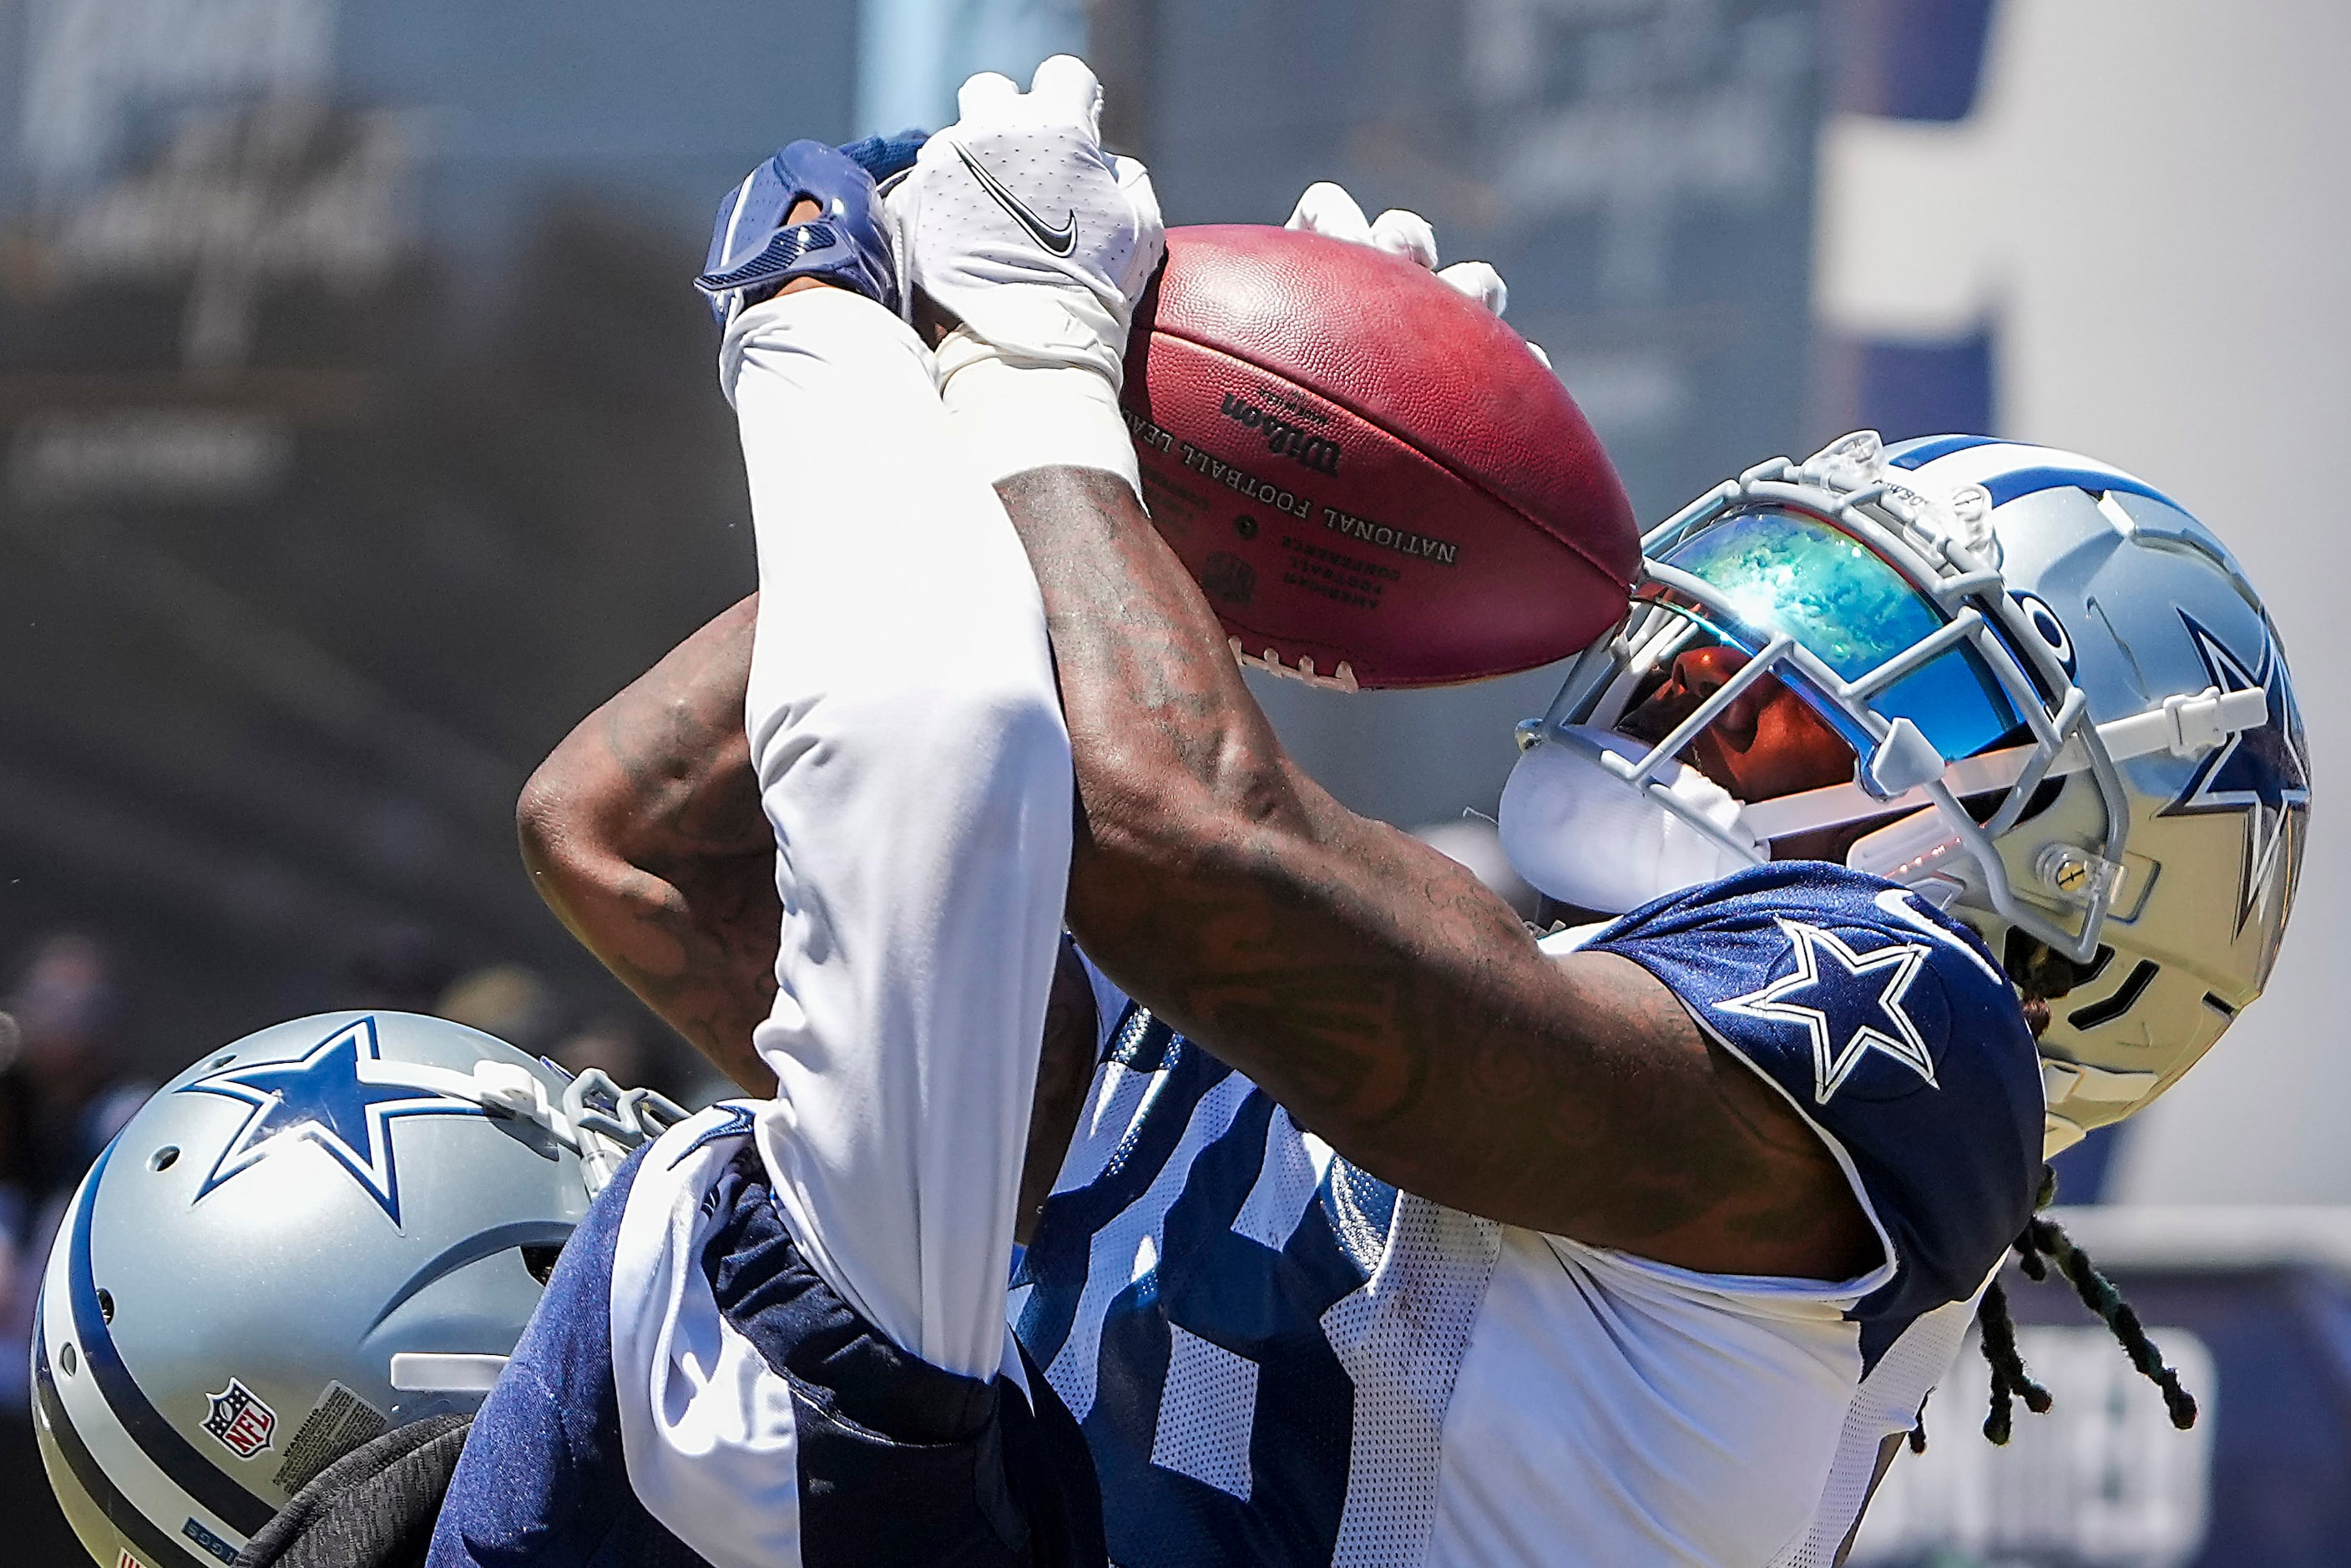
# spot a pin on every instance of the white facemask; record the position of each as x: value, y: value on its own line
x: 1580, y: 833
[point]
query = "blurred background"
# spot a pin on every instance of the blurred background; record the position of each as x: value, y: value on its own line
x: 358, y: 435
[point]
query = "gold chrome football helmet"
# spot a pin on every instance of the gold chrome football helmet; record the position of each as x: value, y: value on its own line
x: 2070, y: 718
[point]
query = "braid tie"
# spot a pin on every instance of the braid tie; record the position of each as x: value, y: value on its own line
x: 2009, y: 1381
x: 2098, y: 1293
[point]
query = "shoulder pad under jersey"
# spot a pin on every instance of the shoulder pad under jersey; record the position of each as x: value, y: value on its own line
x: 1891, y: 1030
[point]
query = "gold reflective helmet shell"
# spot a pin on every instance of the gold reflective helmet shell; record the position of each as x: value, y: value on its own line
x: 2155, y: 617
x: 2073, y: 724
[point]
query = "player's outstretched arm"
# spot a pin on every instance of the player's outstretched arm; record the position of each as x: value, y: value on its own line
x: 1376, y: 988
x: 643, y: 833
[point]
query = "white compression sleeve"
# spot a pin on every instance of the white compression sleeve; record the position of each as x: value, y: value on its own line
x: 1015, y: 416
x: 912, y: 761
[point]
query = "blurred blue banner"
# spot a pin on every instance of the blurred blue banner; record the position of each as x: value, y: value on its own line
x: 911, y: 55
x: 2253, y: 1308
x: 1918, y: 61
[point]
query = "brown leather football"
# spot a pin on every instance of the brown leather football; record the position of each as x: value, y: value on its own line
x: 1368, y: 472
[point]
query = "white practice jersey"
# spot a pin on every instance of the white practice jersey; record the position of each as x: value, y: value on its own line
x: 1278, y: 1359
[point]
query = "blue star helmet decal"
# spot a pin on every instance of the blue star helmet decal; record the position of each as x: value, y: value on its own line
x: 1851, y: 1007
x: 341, y: 1096
x: 2263, y: 772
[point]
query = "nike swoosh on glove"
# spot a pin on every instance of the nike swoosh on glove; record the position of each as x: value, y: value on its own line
x: 1018, y: 221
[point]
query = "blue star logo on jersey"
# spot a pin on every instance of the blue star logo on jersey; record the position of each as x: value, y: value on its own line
x: 1852, y: 1005
x: 341, y: 1096
x: 2263, y: 772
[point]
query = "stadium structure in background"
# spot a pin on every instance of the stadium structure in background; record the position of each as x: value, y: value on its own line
x: 1640, y: 172
x: 322, y: 514
x: 340, y: 514
x: 357, y: 435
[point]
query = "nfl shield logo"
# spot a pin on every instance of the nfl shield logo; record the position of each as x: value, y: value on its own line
x: 127, y: 1561
x: 240, y: 1420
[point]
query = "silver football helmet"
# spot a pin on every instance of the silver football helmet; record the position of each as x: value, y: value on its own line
x: 328, y: 1229
x: 2064, y: 700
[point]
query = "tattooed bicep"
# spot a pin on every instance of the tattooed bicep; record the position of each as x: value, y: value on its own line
x: 643, y: 833
x: 670, y: 750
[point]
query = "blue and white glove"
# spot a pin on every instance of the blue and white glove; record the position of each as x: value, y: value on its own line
x: 753, y: 252
x: 884, y: 156
x: 1018, y: 223
x: 1327, y: 209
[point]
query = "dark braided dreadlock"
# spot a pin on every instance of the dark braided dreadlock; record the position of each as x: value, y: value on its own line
x: 2008, y: 1378
x: 2043, y: 1242
x: 2098, y: 1294
x: 2040, y: 973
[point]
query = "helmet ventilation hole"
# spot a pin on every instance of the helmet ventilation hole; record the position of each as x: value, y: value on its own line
x: 68, y: 1359
x: 164, y: 1158
x: 2045, y: 972
x: 2125, y: 997
x: 106, y: 1305
x: 217, y: 1062
x: 540, y: 1261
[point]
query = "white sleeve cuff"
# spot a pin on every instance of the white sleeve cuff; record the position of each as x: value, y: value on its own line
x: 1018, y: 417
x: 829, y: 323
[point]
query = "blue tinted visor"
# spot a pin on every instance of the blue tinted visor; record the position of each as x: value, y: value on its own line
x: 1776, y: 571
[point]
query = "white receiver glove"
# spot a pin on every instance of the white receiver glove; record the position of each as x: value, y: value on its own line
x: 1016, y: 220
x: 1328, y: 210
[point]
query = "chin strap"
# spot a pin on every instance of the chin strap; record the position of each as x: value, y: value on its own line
x: 614, y: 1121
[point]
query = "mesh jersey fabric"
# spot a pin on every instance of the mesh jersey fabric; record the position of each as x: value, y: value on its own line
x: 1277, y: 1358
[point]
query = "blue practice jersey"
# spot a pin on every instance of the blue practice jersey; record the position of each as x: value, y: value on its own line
x: 691, y: 1393
x: 1277, y: 1358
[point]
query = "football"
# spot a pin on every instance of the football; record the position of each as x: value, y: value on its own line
x: 1373, y: 480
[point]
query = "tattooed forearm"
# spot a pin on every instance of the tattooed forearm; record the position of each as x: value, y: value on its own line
x: 1374, y: 988
x: 644, y: 833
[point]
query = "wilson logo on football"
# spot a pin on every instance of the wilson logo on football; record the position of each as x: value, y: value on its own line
x: 240, y: 1420
x: 1319, y: 453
